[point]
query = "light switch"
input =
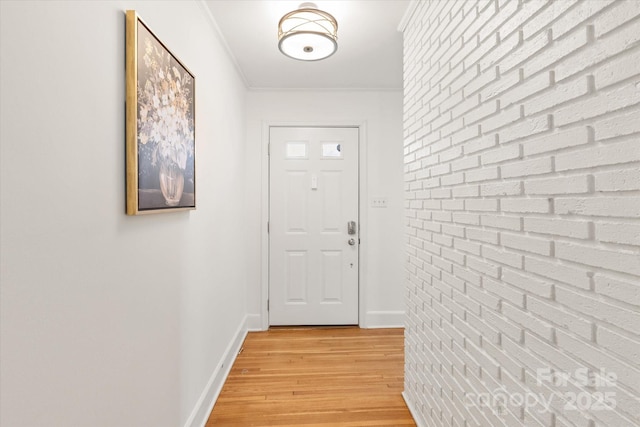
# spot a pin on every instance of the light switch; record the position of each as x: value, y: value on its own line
x: 379, y: 202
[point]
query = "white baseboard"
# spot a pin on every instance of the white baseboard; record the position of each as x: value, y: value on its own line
x: 201, y: 411
x: 420, y: 422
x: 384, y: 319
x: 254, y: 322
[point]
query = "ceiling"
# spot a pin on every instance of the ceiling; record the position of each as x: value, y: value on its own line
x: 369, y: 52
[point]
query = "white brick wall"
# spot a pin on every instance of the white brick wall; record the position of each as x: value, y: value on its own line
x: 522, y: 160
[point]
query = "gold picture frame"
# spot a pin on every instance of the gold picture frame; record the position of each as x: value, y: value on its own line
x: 160, y: 125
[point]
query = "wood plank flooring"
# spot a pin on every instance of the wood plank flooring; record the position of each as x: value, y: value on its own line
x: 306, y: 377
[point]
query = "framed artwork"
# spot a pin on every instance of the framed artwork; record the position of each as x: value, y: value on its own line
x: 160, y: 125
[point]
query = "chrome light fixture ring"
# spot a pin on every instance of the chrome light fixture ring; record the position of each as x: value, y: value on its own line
x: 306, y: 48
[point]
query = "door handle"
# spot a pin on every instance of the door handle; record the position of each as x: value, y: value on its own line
x: 352, y: 242
x: 351, y: 227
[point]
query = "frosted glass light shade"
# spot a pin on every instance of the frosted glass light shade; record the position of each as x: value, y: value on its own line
x: 308, y: 34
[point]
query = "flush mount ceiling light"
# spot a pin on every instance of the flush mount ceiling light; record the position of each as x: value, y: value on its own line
x: 308, y: 34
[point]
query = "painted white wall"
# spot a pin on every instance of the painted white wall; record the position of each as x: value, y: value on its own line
x: 522, y: 154
x: 109, y: 320
x: 382, y: 243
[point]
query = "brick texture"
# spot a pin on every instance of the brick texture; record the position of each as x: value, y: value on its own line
x: 522, y: 185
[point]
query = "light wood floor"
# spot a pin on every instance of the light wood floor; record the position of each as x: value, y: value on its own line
x: 307, y: 377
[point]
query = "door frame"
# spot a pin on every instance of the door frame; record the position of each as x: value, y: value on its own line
x: 362, y: 211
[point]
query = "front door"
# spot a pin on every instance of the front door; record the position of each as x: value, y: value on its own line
x: 313, y: 226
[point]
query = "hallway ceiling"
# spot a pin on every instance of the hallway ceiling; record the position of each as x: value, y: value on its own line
x: 369, y: 52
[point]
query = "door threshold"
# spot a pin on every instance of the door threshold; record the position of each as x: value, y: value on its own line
x: 303, y: 327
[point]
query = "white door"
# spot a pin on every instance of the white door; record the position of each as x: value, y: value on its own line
x: 313, y: 229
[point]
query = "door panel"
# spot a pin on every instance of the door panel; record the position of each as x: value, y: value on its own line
x: 296, y: 202
x: 313, y: 194
x: 331, y: 215
x: 296, y: 277
x: 331, y: 276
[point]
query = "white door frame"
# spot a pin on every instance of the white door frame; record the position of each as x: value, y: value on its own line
x: 362, y: 212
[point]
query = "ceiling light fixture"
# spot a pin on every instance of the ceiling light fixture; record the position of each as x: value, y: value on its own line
x: 308, y: 34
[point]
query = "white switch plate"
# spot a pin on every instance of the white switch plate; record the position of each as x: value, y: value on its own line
x: 378, y: 202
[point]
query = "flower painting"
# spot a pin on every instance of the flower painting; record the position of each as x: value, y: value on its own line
x: 161, y: 112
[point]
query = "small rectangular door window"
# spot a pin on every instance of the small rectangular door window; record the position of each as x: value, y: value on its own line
x: 296, y: 150
x: 331, y: 150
